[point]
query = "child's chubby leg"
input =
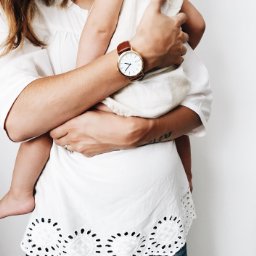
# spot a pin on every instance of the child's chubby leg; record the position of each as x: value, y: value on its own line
x: 30, y: 161
x: 184, y: 151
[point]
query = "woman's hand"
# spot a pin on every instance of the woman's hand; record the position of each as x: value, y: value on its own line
x: 96, y: 132
x: 164, y: 45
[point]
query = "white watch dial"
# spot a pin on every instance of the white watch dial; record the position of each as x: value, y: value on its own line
x: 130, y: 64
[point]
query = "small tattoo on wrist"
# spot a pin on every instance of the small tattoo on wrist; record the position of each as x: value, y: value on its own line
x: 162, y: 138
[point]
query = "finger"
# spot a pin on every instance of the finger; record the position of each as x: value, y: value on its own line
x: 62, y: 141
x: 180, y: 18
x: 69, y: 148
x: 156, y: 5
x: 59, y: 132
x: 181, y: 60
x: 183, y: 50
x: 184, y: 37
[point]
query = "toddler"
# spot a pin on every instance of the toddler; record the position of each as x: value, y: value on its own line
x: 107, y: 25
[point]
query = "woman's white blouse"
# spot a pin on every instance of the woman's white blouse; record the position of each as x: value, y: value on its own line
x: 127, y: 202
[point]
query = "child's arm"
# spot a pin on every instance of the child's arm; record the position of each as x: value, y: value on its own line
x: 195, y: 25
x: 98, y: 30
x: 184, y: 151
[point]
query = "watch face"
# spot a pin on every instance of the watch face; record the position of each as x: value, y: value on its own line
x: 130, y: 64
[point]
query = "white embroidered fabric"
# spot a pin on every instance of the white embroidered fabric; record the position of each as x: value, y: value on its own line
x: 44, y: 236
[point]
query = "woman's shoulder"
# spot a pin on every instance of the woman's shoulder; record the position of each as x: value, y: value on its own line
x: 51, y: 20
x: 4, y: 31
x: 59, y: 19
x: 26, y: 48
x: 3, y: 21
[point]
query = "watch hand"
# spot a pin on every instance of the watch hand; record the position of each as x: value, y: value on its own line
x: 128, y: 66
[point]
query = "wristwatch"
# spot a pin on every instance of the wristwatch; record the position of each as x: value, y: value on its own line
x: 130, y: 63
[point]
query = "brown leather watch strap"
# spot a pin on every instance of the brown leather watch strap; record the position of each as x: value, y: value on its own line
x: 123, y: 47
x: 139, y: 77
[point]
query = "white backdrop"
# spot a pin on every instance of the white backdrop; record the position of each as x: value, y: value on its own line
x: 224, y: 161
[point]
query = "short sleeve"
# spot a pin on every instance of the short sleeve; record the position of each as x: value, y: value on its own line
x: 199, y: 97
x: 18, y: 69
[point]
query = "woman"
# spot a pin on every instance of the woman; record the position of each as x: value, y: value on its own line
x: 84, y: 206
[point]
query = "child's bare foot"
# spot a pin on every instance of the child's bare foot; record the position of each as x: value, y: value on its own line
x: 16, y: 204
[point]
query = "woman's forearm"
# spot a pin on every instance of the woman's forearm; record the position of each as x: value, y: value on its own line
x: 49, y: 102
x: 176, y: 123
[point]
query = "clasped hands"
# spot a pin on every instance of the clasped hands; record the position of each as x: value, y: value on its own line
x: 96, y: 132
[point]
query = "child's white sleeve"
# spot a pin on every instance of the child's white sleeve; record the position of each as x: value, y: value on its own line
x: 199, y: 97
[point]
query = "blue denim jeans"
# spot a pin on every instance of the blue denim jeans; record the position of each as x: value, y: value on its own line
x: 182, y: 251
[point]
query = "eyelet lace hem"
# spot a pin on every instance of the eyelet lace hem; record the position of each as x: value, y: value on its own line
x: 44, y: 237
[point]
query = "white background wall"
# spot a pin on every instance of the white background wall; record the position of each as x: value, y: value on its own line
x: 224, y: 161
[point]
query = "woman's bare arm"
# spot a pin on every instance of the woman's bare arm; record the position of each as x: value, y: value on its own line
x: 96, y: 132
x: 174, y: 124
x: 49, y: 102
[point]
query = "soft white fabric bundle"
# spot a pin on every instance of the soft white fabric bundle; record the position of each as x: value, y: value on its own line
x: 158, y: 92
